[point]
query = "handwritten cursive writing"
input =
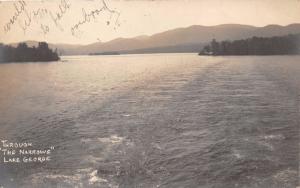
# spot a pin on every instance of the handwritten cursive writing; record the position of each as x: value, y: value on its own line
x: 45, y: 29
x: 26, y: 22
x: 19, y: 8
x: 26, y: 16
x: 92, y: 14
x: 63, y: 7
x: 41, y: 12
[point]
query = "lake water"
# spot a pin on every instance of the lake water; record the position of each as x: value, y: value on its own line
x: 164, y: 120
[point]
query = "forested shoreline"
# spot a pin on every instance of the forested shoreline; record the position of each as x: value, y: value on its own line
x: 23, y: 53
x: 279, y: 45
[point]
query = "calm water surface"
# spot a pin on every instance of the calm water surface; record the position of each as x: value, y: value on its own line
x: 165, y: 120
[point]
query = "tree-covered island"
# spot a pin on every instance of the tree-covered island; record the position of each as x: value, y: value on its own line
x: 279, y: 45
x: 23, y: 53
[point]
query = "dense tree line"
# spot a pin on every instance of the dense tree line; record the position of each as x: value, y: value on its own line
x: 23, y: 53
x: 280, y: 45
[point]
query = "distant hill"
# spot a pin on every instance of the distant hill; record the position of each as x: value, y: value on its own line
x: 190, y: 39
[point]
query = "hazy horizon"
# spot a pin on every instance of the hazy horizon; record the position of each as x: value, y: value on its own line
x: 144, y: 35
x: 86, y: 22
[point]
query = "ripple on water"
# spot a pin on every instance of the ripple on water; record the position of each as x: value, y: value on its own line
x: 80, y: 178
x: 113, y: 139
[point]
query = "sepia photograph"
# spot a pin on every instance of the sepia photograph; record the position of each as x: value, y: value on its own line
x: 149, y: 93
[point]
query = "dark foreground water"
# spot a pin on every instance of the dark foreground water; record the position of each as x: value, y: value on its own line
x: 154, y: 121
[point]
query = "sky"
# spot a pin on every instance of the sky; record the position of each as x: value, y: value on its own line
x: 89, y: 21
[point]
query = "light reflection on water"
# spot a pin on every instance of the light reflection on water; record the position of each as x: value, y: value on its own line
x: 164, y: 120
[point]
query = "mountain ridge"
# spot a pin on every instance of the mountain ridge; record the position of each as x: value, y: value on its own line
x: 192, y: 38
